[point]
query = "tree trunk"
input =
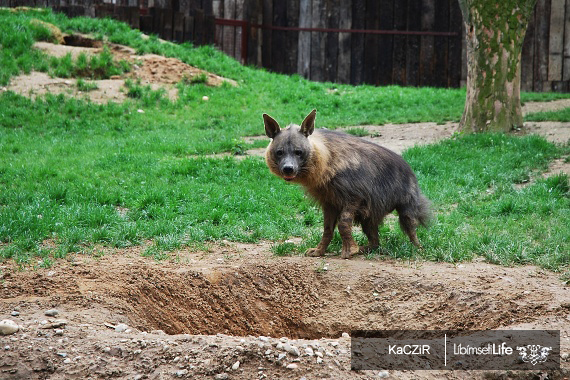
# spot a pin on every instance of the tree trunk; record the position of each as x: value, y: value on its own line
x: 495, y: 35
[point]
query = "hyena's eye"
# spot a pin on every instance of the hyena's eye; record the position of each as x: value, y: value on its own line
x: 279, y: 153
x: 298, y: 152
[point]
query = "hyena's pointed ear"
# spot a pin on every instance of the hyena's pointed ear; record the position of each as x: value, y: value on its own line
x: 308, y: 125
x: 271, y: 126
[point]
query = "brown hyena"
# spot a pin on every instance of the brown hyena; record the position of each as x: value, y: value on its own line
x: 351, y: 178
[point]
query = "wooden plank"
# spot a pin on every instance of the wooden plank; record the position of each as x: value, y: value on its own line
x: 178, y: 34
x: 542, y: 19
x: 427, y: 44
x: 441, y: 59
x: 255, y: 16
x: 238, y: 31
x: 199, y: 22
x: 370, y: 69
x: 413, y: 44
x: 357, y: 50
x: 207, y: 7
x: 278, y: 54
x: 527, y: 57
x: 229, y: 43
x: 292, y: 37
x: 167, y: 29
x: 317, y: 43
x: 344, y: 42
x: 566, y: 63
x: 304, y: 55
x: 456, y: 60
x: 385, y: 44
x: 189, y: 28
x: 218, y: 12
x: 267, y: 34
x: 209, y: 29
x: 400, y: 42
x: 331, y: 40
x: 146, y: 24
x: 556, y: 40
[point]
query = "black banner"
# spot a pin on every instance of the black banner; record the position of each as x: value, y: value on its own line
x: 455, y: 350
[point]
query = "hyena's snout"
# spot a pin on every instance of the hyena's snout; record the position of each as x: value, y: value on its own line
x: 289, y: 168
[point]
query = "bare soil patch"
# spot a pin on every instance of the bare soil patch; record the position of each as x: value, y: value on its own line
x: 150, y: 69
x: 198, y: 314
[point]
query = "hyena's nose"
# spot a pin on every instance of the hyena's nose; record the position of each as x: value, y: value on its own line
x: 288, y: 170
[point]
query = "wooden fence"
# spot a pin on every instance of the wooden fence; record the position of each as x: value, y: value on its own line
x: 379, y: 42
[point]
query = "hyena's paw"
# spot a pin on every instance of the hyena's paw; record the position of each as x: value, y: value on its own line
x: 347, y: 252
x: 315, y: 252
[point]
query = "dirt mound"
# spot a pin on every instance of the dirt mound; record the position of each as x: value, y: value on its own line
x: 150, y: 69
x: 235, y: 303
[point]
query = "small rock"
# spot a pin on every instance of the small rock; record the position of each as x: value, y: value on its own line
x: 182, y: 372
x: 221, y: 376
x: 268, y: 352
x: 205, y: 98
x: 62, y: 354
x: 383, y: 374
x: 138, y: 377
x: 8, y: 327
x: 15, y: 314
x: 281, y: 357
x: 51, y: 312
x: 121, y: 327
x: 293, y: 350
x: 564, y: 356
x: 309, y: 351
x: 58, y: 332
x: 345, y: 335
x: 67, y: 361
x: 319, y: 360
x: 319, y: 354
x: 292, y: 366
x: 54, y: 324
x: 7, y: 348
x: 264, y: 339
x: 235, y: 366
x: 334, y: 344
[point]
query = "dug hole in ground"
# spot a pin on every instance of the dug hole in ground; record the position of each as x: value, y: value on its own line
x: 237, y: 311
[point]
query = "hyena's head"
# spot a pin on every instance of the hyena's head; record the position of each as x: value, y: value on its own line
x: 289, y: 151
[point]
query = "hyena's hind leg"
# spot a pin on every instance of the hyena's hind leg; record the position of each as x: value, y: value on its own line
x: 370, y: 229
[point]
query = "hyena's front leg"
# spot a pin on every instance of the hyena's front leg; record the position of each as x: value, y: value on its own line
x: 349, y: 246
x: 330, y: 215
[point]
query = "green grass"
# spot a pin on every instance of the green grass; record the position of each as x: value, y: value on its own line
x: 81, y: 174
x: 562, y: 115
x: 86, y: 86
x: 98, y: 66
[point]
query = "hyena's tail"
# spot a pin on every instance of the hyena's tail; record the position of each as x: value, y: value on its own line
x: 423, y: 211
x: 415, y: 213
